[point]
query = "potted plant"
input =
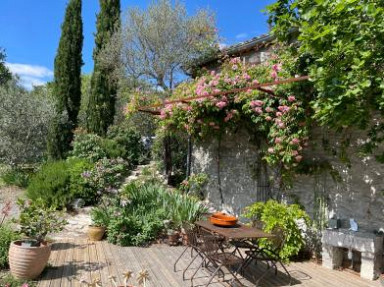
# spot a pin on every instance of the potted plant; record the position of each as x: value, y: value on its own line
x: 28, y: 257
x: 100, y: 219
x: 381, y: 278
x: 173, y: 237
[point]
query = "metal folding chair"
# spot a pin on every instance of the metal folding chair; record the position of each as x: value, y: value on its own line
x: 269, y: 255
x: 213, y: 251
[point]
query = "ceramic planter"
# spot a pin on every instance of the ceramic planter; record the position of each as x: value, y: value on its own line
x: 27, y: 262
x: 95, y: 233
x: 173, y: 239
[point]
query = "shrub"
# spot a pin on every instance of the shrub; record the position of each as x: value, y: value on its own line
x: 9, y: 281
x: 17, y: 177
x: 142, y: 210
x: 134, y: 229
x: 36, y: 219
x: 79, y: 186
x: 7, y: 235
x: 278, y: 215
x: 127, y: 142
x: 51, y: 184
x: 106, y: 175
x: 87, y: 146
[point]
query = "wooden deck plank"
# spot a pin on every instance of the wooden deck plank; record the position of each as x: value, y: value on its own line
x: 45, y: 281
x: 58, y: 270
x: 67, y: 264
x: 128, y: 261
x: 103, y: 264
x: 78, y: 258
x: 94, y: 264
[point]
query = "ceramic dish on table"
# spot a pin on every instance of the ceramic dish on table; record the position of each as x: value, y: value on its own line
x: 223, y: 219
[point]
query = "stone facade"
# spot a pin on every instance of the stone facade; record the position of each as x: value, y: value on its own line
x: 238, y: 177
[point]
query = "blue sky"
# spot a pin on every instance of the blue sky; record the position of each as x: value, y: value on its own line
x: 30, y: 29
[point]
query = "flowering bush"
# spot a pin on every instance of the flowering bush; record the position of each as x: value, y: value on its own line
x: 106, y: 176
x: 279, y: 115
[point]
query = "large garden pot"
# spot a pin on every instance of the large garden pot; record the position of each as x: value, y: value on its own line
x: 95, y: 233
x: 27, y: 262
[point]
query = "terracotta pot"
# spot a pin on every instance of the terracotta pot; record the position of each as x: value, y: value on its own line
x: 173, y: 239
x: 28, y: 262
x: 184, y: 239
x: 95, y: 233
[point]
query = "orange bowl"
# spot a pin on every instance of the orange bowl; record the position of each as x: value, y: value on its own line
x: 223, y: 219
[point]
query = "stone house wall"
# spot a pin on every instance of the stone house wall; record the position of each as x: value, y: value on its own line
x: 238, y: 177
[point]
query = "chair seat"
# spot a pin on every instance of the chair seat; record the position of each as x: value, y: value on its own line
x: 227, y: 259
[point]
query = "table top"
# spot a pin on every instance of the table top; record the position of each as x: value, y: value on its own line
x: 237, y: 232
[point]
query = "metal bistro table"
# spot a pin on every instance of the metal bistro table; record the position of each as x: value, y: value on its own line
x: 238, y: 232
x: 239, y: 235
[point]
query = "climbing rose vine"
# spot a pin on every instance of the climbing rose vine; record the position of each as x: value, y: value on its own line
x: 278, y: 116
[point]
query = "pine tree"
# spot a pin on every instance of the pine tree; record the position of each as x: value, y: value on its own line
x: 67, y: 82
x: 101, y: 109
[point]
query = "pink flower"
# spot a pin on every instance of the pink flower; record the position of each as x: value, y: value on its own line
x: 295, y: 141
x: 291, y: 99
x: 235, y: 60
x: 25, y: 285
x: 163, y: 115
x: 276, y: 67
x: 279, y: 114
x: 295, y: 152
x: 235, y: 67
x: 258, y: 110
x: 221, y: 104
x: 257, y: 103
x: 211, y: 124
x: 298, y: 158
x: 199, y: 121
x: 269, y: 109
x: 281, y: 125
x: 255, y: 82
x: 213, y: 73
x: 271, y: 150
x: 277, y: 140
x: 268, y: 118
x: 274, y: 75
x: 283, y: 109
x: 246, y: 77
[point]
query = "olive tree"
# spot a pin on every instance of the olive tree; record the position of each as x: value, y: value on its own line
x: 24, y: 120
x: 159, y: 44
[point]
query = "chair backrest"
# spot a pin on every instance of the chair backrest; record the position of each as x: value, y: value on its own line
x: 258, y: 224
x: 279, y: 239
x: 209, y: 244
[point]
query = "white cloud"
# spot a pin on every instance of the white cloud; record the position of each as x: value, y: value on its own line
x: 241, y: 35
x: 31, y: 75
x: 222, y: 46
x: 30, y: 82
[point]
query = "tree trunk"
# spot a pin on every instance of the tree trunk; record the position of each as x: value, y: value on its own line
x: 168, y: 158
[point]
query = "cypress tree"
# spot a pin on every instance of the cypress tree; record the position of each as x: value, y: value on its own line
x: 101, y: 108
x: 67, y: 81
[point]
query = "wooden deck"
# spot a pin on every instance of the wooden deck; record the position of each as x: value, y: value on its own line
x: 72, y: 260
